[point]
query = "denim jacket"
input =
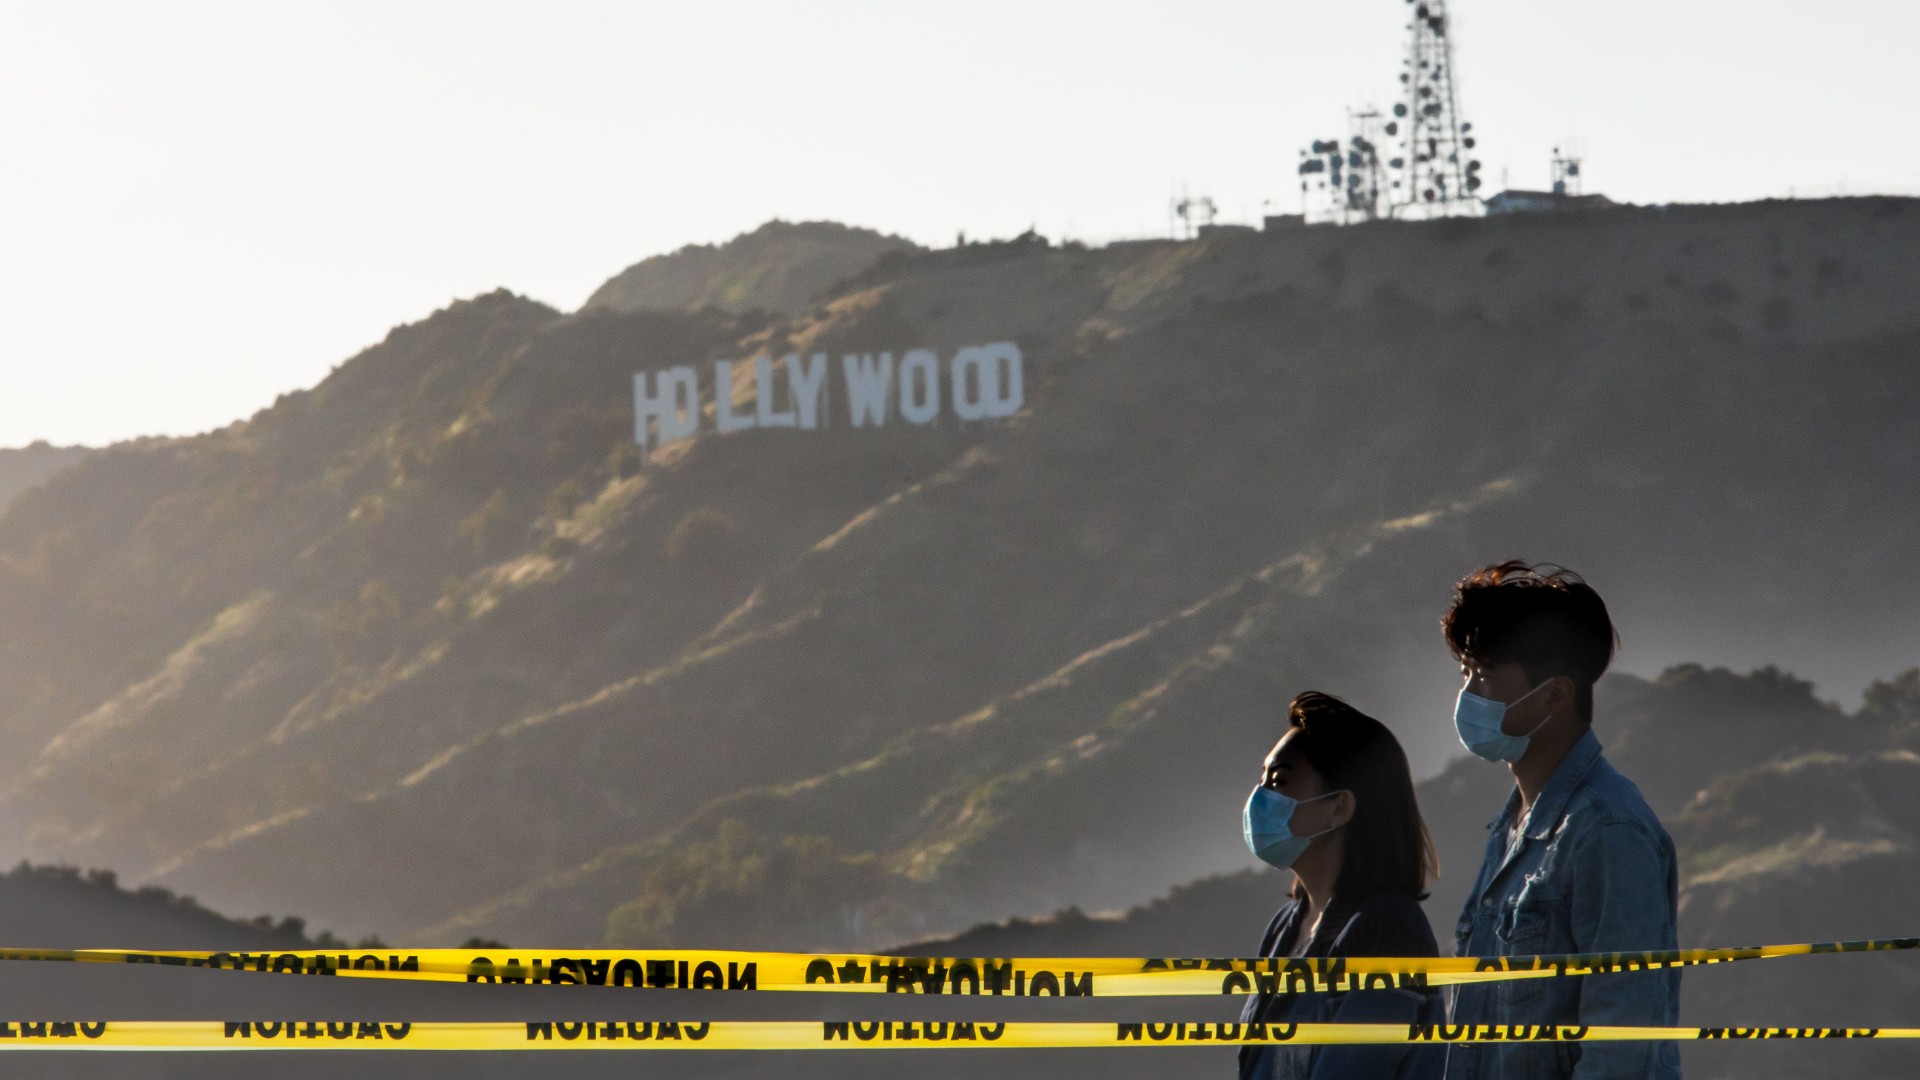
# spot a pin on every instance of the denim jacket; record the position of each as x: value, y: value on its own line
x: 1592, y: 871
x: 1385, y: 924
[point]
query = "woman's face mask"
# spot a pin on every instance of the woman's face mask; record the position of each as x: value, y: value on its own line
x: 1267, y: 825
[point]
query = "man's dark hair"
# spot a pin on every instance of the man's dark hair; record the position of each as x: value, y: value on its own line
x: 1388, y: 846
x: 1544, y: 618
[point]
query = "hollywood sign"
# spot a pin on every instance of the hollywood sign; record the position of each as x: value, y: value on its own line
x: 980, y: 382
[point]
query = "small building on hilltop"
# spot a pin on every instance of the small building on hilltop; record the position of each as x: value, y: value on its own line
x: 1515, y: 201
x: 1564, y: 195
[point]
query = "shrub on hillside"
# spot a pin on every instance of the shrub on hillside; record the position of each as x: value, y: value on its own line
x: 703, y: 534
x: 751, y: 891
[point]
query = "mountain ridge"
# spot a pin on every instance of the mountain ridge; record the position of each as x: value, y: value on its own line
x: 474, y: 637
x: 781, y: 267
x: 25, y: 466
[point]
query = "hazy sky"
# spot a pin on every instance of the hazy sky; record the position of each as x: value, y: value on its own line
x: 204, y: 205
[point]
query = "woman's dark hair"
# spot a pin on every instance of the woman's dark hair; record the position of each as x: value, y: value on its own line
x: 1544, y: 618
x: 1388, y: 846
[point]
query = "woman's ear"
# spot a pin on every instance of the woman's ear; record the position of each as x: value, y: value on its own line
x: 1344, y: 806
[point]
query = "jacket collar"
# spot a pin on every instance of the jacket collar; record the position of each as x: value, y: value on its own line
x: 1566, y: 779
x: 1333, y: 923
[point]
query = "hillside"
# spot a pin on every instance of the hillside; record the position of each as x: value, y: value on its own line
x: 432, y: 650
x: 780, y: 267
x: 58, y: 907
x: 23, y: 467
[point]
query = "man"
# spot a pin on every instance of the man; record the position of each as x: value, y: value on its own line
x: 1576, y: 862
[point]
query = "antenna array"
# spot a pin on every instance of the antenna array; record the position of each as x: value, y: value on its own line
x: 1431, y: 174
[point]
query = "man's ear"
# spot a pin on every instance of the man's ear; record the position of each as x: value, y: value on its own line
x: 1560, y: 696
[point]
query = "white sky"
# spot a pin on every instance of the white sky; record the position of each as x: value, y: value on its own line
x: 203, y: 205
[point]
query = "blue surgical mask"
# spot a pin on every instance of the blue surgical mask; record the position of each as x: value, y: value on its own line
x: 1267, y: 822
x: 1479, y: 720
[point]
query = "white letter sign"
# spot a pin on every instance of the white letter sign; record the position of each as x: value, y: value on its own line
x: 984, y: 382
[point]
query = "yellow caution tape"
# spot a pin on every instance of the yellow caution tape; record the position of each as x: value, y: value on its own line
x: 968, y: 977
x: 822, y: 1035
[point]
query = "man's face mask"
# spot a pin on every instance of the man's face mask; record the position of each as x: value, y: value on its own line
x: 1267, y: 825
x: 1479, y: 719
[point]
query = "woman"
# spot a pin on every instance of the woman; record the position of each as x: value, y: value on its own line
x: 1335, y: 806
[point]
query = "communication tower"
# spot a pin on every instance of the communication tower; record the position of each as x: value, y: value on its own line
x: 1566, y: 173
x: 1346, y: 181
x: 1431, y: 172
x: 1187, y: 216
x: 1440, y: 175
